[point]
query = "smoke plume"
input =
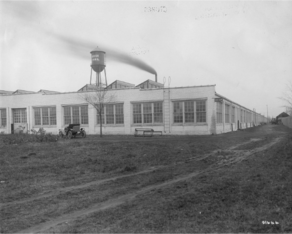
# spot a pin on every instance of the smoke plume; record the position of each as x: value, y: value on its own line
x: 82, y: 48
x: 32, y: 13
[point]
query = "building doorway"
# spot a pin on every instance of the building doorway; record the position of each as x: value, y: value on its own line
x: 19, y: 120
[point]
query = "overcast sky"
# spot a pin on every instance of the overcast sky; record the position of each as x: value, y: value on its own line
x: 243, y: 47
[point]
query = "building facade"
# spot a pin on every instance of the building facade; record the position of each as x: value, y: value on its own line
x: 197, y: 110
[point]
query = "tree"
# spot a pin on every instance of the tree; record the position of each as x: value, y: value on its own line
x: 287, y: 98
x: 98, y: 99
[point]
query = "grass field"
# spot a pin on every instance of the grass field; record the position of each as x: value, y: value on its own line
x: 234, y: 182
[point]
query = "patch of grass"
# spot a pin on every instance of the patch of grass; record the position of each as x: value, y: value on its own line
x: 232, y: 199
x: 246, y: 197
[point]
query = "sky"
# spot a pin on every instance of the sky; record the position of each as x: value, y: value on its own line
x: 242, y: 47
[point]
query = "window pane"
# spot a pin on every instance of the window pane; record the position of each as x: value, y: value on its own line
x: 178, y: 112
x: 201, y: 117
x: 53, y: 116
x: 45, y: 115
x: 119, y: 114
x: 23, y: 116
x: 200, y: 106
x: 75, y: 112
x: 233, y: 114
x: 37, y: 116
x: 189, y: 111
x: 19, y: 116
x: 137, y: 108
x: 137, y: 115
x: 201, y: 111
x: 67, y: 114
x: 219, y: 112
x: 158, y: 114
x: 102, y: 115
x: 84, y: 114
x: 3, y: 118
x: 227, y: 120
x: 147, y: 112
x: 110, y: 114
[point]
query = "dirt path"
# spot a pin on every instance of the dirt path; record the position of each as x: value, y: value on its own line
x: 54, y: 224
x: 81, y: 186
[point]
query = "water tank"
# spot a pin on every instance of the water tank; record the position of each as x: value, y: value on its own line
x: 97, y: 60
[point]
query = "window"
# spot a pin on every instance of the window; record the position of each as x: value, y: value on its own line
x: 158, y: 114
x: 19, y: 115
x: 189, y: 112
x: 45, y: 116
x: 3, y: 120
x: 102, y: 116
x: 76, y: 114
x: 147, y: 113
x: 119, y: 114
x: 238, y: 114
x: 233, y: 115
x: 241, y: 116
x: 112, y: 114
x: 227, y: 115
x: 84, y: 114
x: 178, y: 112
x: 201, y: 111
x: 137, y: 113
x: 67, y: 114
x: 219, y: 112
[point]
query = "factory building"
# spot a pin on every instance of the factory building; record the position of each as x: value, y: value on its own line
x: 178, y: 110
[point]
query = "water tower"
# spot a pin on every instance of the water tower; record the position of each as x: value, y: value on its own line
x: 98, y: 65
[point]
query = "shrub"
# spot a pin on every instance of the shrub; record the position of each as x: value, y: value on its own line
x: 34, y: 136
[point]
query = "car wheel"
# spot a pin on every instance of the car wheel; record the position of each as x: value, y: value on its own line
x: 70, y: 135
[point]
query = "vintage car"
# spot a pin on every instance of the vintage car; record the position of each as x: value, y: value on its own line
x: 72, y: 130
x: 274, y: 121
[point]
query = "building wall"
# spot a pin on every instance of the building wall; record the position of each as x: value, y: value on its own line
x: 244, y: 118
x: 127, y: 97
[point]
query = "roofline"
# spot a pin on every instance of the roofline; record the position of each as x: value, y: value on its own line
x: 133, y: 85
x: 235, y: 103
x: 127, y: 88
x: 149, y: 80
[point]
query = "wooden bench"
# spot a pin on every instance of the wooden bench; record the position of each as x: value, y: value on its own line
x: 146, y: 132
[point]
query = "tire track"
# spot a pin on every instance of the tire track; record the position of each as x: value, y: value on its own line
x: 81, y: 186
x: 98, y: 182
x: 111, y: 203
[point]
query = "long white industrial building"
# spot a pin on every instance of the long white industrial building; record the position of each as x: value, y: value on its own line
x: 178, y: 110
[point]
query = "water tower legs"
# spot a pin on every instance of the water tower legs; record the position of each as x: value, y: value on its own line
x: 90, y: 74
x: 105, y: 77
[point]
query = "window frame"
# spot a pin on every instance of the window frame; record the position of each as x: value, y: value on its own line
x: 227, y: 113
x: 22, y: 117
x: 117, y: 114
x: 219, y: 113
x: 186, y: 111
x: 233, y: 114
x: 3, y: 110
x: 51, y: 117
x: 81, y: 118
x: 156, y: 114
